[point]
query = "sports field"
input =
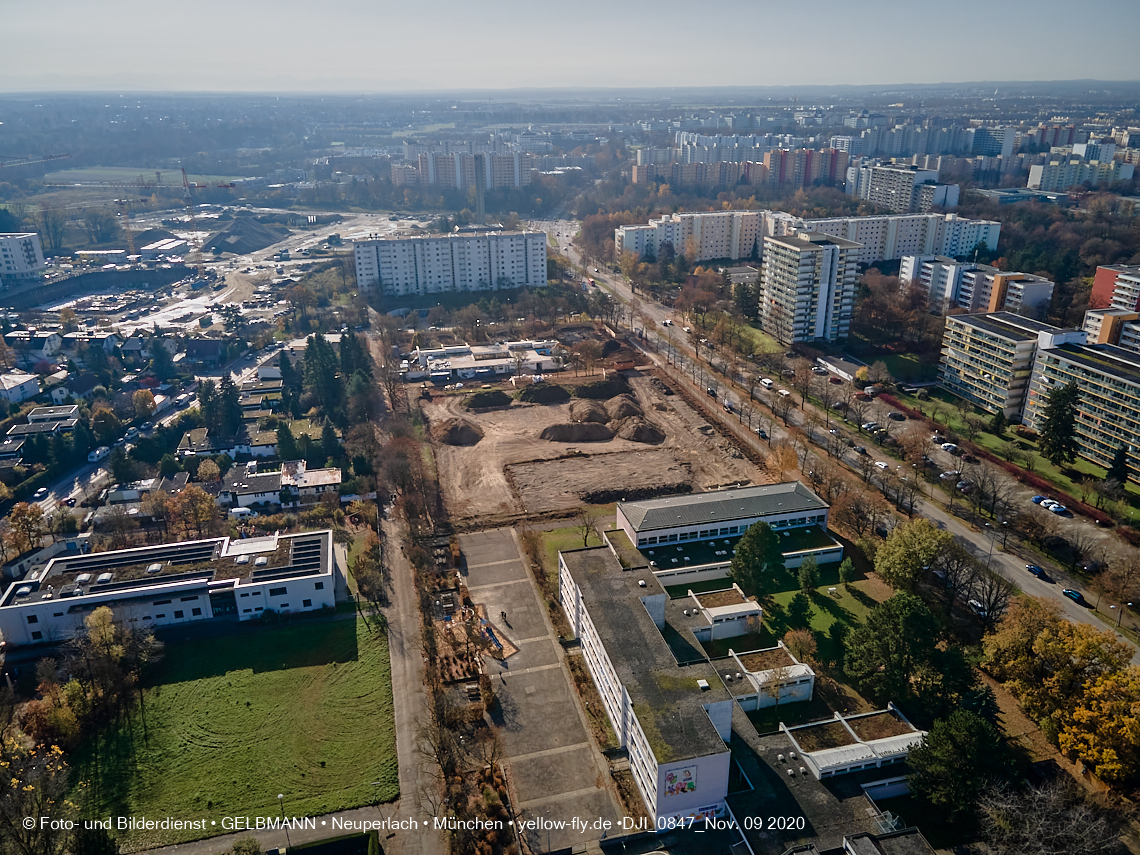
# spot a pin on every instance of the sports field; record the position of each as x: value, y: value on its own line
x: 230, y: 722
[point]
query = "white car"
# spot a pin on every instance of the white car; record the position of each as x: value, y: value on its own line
x: 949, y: 446
x: 881, y: 465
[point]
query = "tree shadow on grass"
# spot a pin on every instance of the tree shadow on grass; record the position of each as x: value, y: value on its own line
x: 861, y: 597
x: 827, y: 603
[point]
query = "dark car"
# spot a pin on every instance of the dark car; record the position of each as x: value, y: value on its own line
x: 1074, y: 595
x: 858, y: 449
x: 898, y: 417
x: 1039, y: 572
x: 711, y: 392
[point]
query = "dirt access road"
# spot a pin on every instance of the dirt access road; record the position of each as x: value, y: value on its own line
x: 475, y: 479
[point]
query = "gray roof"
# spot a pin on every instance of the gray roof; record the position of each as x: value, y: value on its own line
x: 1007, y: 325
x: 665, y: 695
x: 721, y: 506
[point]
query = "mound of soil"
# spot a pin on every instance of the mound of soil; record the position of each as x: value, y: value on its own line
x: 245, y: 235
x: 659, y: 387
x: 152, y: 236
x: 603, y: 390
x: 577, y: 432
x: 589, y: 411
x: 622, y: 407
x: 637, y: 429
x: 544, y: 393
x: 488, y: 398
x: 456, y: 432
x: 611, y: 346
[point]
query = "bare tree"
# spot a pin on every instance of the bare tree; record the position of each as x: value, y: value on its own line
x: 1056, y: 818
x: 585, y: 521
x: 957, y: 571
x: 782, y: 406
x: 994, y: 593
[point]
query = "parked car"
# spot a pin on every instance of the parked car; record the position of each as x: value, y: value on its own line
x: 977, y: 608
x: 760, y: 432
x: 964, y: 486
x: 858, y: 449
x: 946, y: 476
x: 938, y: 439
x: 868, y: 426
x: 70, y: 501
x: 1074, y: 595
x: 1037, y: 500
x: 898, y: 417
x: 1059, y: 509
x: 711, y: 392
x: 881, y: 465
x: 41, y: 492
x: 818, y: 370
x: 949, y: 447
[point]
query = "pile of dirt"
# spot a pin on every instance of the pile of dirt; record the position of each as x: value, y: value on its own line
x: 603, y: 390
x: 456, y: 432
x: 589, y: 411
x: 637, y: 429
x: 577, y: 432
x: 245, y: 235
x: 659, y: 387
x: 544, y: 393
x: 622, y: 407
x: 488, y: 398
x: 611, y: 346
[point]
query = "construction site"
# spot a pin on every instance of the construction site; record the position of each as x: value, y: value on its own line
x: 544, y: 450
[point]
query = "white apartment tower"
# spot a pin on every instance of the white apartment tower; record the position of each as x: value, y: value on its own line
x: 975, y: 287
x: 459, y: 262
x: 21, y: 258
x: 807, y: 287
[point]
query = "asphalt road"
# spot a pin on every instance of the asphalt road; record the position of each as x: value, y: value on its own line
x: 1009, y: 566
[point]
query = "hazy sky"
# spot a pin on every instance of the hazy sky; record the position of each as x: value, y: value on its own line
x: 382, y: 45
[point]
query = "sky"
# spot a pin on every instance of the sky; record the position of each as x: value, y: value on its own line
x: 397, y: 45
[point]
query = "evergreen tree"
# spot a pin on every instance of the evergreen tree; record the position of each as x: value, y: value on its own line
x: 997, y: 423
x: 330, y: 445
x: 1058, y: 434
x: 229, y: 407
x: 960, y: 755
x: 161, y: 364
x: 747, y: 300
x: 1118, y: 470
x: 208, y: 405
x: 286, y: 444
x: 757, y: 560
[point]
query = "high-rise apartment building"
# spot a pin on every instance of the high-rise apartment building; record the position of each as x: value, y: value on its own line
x: 975, y: 287
x: 901, y: 188
x: 21, y: 258
x: 459, y: 262
x: 882, y: 237
x: 457, y: 169
x: 804, y: 167
x: 807, y: 287
x: 1065, y: 171
x: 1113, y: 326
x: 987, y: 359
x: 1116, y: 286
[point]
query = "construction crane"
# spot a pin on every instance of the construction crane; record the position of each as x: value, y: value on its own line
x: 196, y: 255
x: 29, y: 160
x: 126, y: 212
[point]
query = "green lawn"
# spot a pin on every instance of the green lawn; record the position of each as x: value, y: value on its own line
x: 910, y: 367
x: 950, y: 416
x: 228, y: 723
x: 99, y: 174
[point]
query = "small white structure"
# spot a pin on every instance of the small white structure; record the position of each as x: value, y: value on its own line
x: 18, y: 387
x: 853, y: 743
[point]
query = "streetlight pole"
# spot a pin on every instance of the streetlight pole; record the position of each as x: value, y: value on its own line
x: 281, y: 802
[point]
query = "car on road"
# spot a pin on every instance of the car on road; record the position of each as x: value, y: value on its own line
x: 978, y: 609
x: 727, y: 406
x: 898, y: 417
x: 760, y: 432
x: 1039, y: 572
x: 869, y: 425
x: 949, y: 447
x: 132, y: 431
x: 946, y: 476
x: 70, y: 501
x: 711, y: 392
x: 1074, y: 595
x: 666, y: 323
x: 146, y: 426
x: 938, y: 439
x: 41, y: 492
x: 964, y: 486
x: 858, y: 449
x: 881, y: 465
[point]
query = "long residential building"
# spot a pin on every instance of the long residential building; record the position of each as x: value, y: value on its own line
x: 975, y: 287
x: 1003, y: 361
x: 458, y: 262
x: 987, y: 359
x: 1061, y: 173
x: 807, y: 287
x: 900, y: 188
x: 882, y: 237
x: 1116, y: 286
x: 1108, y: 406
x: 1113, y: 326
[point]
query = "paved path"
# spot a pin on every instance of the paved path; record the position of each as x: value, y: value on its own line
x: 555, y: 769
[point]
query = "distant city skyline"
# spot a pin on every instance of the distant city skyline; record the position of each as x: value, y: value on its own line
x: 354, y: 46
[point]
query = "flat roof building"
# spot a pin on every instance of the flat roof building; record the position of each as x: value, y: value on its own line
x: 185, y: 582
x: 988, y: 358
x: 807, y: 287
x: 975, y: 287
x: 673, y: 716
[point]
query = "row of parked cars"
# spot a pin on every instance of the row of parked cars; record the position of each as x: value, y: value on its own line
x: 1050, y: 505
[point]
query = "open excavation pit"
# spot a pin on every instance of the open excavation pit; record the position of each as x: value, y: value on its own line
x: 557, y: 485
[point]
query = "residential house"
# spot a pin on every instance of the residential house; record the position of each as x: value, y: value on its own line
x: 206, y: 352
x: 33, y: 346
x: 292, y: 485
x: 18, y: 387
x: 79, y: 388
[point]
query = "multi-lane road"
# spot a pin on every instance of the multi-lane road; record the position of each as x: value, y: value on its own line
x: 985, y: 545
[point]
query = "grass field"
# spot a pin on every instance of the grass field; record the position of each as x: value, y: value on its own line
x: 229, y: 723
x: 102, y: 174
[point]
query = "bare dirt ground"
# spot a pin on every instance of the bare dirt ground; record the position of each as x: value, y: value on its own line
x: 474, y: 478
